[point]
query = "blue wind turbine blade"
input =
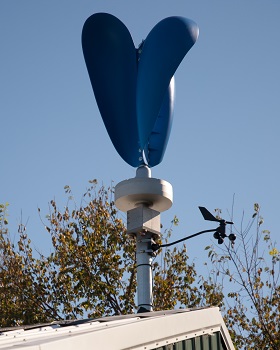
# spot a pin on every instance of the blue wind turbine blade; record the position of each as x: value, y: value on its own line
x: 158, y: 139
x: 162, y: 52
x: 110, y: 57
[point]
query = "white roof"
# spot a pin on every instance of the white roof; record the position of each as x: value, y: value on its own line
x: 141, y: 331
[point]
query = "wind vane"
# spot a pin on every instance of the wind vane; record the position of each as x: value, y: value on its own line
x: 134, y: 90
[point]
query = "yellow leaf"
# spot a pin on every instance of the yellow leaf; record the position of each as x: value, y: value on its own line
x: 273, y: 252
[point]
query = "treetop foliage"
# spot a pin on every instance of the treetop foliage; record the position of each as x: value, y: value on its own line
x: 91, y: 272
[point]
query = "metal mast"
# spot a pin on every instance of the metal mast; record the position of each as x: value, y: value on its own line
x: 143, y: 198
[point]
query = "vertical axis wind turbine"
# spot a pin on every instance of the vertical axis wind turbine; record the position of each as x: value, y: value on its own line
x: 134, y: 91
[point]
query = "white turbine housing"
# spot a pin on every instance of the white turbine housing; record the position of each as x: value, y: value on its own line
x: 153, y: 193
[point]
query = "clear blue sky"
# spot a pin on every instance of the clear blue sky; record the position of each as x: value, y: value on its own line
x: 225, y: 136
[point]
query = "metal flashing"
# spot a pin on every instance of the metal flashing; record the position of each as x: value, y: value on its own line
x: 151, y: 330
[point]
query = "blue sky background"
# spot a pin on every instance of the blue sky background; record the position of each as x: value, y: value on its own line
x: 225, y: 136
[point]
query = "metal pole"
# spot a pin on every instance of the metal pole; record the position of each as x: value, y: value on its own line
x: 144, y: 271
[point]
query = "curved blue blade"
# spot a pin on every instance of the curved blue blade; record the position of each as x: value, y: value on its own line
x: 110, y: 57
x: 162, y: 52
x: 158, y: 139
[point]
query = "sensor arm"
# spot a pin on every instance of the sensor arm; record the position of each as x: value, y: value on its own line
x: 219, y: 234
x: 156, y: 246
